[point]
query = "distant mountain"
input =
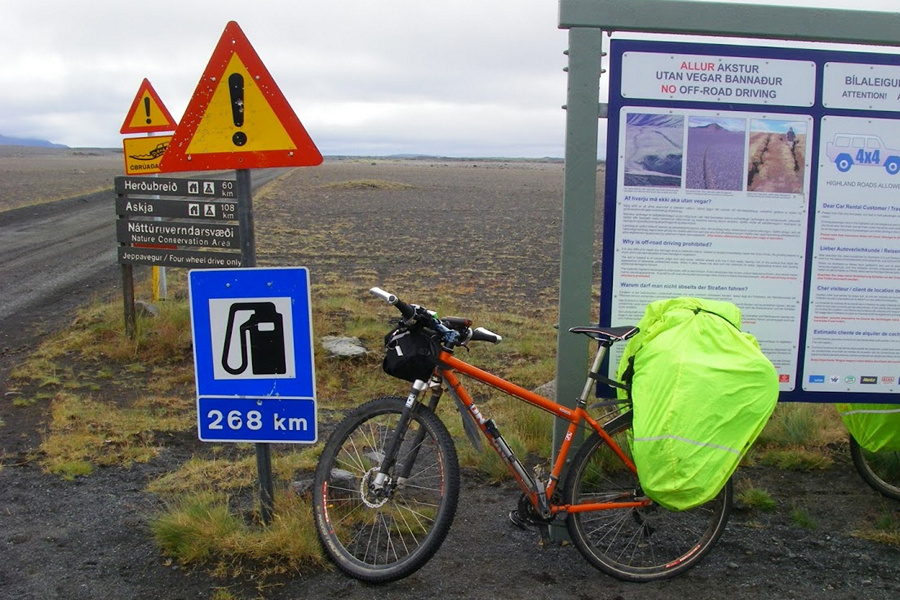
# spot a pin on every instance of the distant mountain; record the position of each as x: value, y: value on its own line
x: 711, y: 127
x: 13, y: 141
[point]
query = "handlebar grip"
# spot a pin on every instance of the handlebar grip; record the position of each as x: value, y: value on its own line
x: 405, y: 309
x: 480, y: 334
x: 386, y: 296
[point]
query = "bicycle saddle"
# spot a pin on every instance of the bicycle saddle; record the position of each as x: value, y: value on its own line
x: 606, y: 334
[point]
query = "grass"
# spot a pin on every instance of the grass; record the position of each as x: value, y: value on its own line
x: 202, y: 527
x: 110, y: 398
x: 366, y: 184
x: 755, y: 498
x: 92, y: 378
x: 797, y: 458
x: 885, y: 529
x: 85, y: 432
x: 801, y: 517
x: 798, y: 424
x: 202, y: 489
x: 800, y: 437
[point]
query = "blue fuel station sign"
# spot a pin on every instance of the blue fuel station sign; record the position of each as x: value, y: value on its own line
x: 253, y: 355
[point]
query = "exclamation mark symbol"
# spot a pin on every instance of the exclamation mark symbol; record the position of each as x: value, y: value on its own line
x: 236, y: 89
x: 147, y: 109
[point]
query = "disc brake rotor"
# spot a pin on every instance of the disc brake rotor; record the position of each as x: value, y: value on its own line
x: 371, y: 497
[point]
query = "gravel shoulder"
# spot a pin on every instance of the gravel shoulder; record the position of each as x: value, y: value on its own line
x: 496, y: 226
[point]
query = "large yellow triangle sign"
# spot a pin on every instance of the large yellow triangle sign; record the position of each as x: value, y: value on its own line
x: 237, y: 117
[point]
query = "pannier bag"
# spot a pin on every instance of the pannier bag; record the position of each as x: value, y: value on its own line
x: 875, y: 427
x: 409, y: 354
x: 702, y: 391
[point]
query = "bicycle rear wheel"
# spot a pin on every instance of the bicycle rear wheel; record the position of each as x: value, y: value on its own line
x: 881, y: 470
x: 382, y: 535
x: 635, y: 544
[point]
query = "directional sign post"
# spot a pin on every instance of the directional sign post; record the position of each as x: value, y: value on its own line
x: 164, y: 232
x: 155, y: 207
x: 147, y: 115
x: 202, y: 235
x: 191, y: 187
x: 178, y: 233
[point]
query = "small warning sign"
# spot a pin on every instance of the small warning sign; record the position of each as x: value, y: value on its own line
x: 147, y: 114
x: 238, y: 118
x: 143, y: 155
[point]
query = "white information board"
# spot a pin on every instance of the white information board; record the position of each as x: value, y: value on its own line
x: 767, y: 177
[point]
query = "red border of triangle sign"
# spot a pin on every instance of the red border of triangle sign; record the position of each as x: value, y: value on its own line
x: 154, y: 116
x: 238, y: 118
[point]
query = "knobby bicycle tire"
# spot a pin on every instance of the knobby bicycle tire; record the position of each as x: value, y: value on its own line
x: 380, y: 538
x: 881, y: 470
x: 635, y: 544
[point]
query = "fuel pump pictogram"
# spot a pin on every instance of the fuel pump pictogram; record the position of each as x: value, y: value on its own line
x: 261, y: 339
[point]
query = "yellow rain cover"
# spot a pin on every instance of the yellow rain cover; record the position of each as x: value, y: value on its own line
x: 702, y: 391
x: 875, y: 426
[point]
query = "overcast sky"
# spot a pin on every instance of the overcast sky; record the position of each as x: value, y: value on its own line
x: 366, y: 77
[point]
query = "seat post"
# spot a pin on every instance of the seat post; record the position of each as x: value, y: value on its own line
x: 595, y: 369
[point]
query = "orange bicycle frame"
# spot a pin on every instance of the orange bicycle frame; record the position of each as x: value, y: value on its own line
x: 450, y: 365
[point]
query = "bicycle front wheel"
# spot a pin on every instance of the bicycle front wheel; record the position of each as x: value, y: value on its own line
x: 635, y: 544
x: 881, y: 470
x: 380, y: 533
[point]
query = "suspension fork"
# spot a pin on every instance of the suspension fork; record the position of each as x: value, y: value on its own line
x: 436, y: 391
x: 399, y: 435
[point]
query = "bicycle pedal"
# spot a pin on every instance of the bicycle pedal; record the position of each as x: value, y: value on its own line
x: 516, y: 519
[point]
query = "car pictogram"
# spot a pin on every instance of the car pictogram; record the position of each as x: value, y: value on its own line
x: 848, y: 149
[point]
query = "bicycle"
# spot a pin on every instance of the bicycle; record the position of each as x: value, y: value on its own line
x: 881, y: 470
x: 387, y: 483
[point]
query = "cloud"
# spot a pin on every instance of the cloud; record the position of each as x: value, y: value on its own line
x: 453, y: 78
x: 450, y: 77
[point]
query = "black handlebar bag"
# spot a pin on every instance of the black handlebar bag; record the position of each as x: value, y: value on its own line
x: 410, y: 354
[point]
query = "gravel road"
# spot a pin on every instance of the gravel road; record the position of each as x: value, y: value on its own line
x: 52, y: 258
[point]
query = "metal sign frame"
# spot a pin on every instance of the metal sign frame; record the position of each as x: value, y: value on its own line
x: 586, y: 21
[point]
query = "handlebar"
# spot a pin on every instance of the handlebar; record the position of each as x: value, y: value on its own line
x: 407, y: 310
x: 454, y: 331
x: 386, y: 296
x: 480, y: 334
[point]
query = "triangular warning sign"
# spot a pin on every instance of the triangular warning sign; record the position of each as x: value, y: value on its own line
x: 237, y: 117
x: 147, y: 113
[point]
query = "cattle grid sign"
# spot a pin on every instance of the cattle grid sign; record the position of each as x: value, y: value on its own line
x: 767, y: 177
x: 195, y: 226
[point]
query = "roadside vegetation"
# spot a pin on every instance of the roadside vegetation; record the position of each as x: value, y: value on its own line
x: 115, y: 401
